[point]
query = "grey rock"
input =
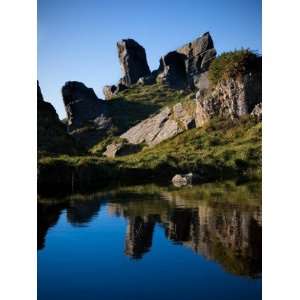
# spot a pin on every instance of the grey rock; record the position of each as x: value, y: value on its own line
x: 87, y: 116
x: 231, y: 98
x: 172, y: 70
x: 166, y: 124
x: 183, y: 67
x: 180, y: 180
x: 120, y: 149
x: 81, y: 103
x: 133, y: 61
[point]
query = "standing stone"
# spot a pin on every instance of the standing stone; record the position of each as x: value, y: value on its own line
x: 133, y: 61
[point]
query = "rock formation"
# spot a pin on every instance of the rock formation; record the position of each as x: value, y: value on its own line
x: 87, y: 116
x: 164, y: 125
x: 52, y: 136
x: 185, y: 66
x: 133, y: 61
x: 231, y: 98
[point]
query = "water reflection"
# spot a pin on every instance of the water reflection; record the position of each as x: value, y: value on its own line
x: 221, y: 223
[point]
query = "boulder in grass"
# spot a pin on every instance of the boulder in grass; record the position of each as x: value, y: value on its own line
x: 180, y: 180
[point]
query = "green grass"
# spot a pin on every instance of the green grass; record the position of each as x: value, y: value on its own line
x: 135, y: 104
x: 232, y: 64
x: 232, y: 144
x: 221, y: 150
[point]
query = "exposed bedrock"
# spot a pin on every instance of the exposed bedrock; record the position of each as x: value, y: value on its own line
x: 231, y: 99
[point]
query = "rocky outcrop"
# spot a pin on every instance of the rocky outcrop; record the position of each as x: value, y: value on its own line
x: 81, y: 104
x: 52, y: 136
x: 180, y: 180
x: 133, y: 61
x: 120, y: 148
x: 87, y: 116
x: 184, y: 66
x: 164, y: 125
x: 231, y: 98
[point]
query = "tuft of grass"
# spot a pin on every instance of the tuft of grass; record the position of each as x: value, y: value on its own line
x: 233, y: 64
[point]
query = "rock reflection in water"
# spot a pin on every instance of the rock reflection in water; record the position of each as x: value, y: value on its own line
x: 228, y: 232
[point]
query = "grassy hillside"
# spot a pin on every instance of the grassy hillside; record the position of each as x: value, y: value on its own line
x: 135, y: 104
x: 222, y: 150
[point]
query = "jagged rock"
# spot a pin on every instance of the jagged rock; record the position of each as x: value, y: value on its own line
x: 231, y: 98
x: 257, y: 112
x: 133, y: 61
x: 87, y: 116
x: 183, y: 67
x: 164, y: 125
x: 120, y: 149
x: 81, y: 103
x: 180, y: 180
x: 52, y: 136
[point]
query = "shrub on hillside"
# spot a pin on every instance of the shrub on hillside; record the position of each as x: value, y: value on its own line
x: 232, y: 64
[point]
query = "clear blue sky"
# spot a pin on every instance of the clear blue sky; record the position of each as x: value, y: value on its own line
x: 77, y: 38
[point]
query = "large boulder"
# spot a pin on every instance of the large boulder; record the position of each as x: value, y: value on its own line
x: 164, y: 125
x: 180, y: 180
x: 52, y: 136
x: 133, y: 61
x: 87, y: 116
x: 184, y: 66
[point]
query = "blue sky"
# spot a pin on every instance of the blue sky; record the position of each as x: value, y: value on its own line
x: 77, y: 38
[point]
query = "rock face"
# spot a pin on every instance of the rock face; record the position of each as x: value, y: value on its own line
x: 87, y: 116
x: 232, y: 98
x: 81, y: 103
x: 164, y: 125
x: 133, y: 61
x: 184, y: 67
x: 185, y: 179
x: 52, y: 136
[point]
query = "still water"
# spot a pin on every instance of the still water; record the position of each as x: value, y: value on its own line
x: 147, y: 242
